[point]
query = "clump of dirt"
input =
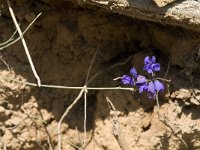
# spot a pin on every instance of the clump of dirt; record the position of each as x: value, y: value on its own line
x: 62, y: 43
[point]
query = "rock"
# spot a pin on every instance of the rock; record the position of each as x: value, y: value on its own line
x: 194, y: 101
x: 2, y: 110
x: 162, y: 3
x: 46, y: 116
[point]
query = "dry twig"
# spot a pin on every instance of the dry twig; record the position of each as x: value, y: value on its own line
x: 89, y: 69
x: 167, y: 71
x: 65, y: 114
x: 1, y: 57
x: 85, y: 97
x: 85, y: 117
x: 116, y: 127
x: 16, y: 40
x: 4, y: 147
x: 157, y: 101
x: 111, y: 67
x: 9, y: 40
x: 64, y: 87
x: 24, y: 43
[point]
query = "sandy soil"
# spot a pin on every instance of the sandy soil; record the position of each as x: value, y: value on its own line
x: 62, y: 43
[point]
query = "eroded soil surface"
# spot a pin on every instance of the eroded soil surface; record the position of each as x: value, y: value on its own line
x: 62, y: 43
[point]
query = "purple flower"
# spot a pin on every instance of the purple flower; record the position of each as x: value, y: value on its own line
x: 158, y: 86
x: 130, y: 79
x: 151, y: 87
x: 127, y: 80
x: 141, y: 83
x: 151, y: 65
x: 154, y: 87
x: 133, y: 72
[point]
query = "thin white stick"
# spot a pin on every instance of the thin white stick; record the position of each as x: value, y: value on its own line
x: 85, y: 117
x: 4, y: 147
x: 65, y: 87
x: 118, y: 78
x: 9, y: 40
x: 65, y: 114
x: 88, y: 73
x: 116, y: 127
x: 85, y: 98
x: 157, y: 101
x: 24, y: 44
x: 111, y: 67
x: 163, y: 79
x: 27, y: 28
x: 5, y: 63
x: 166, y: 73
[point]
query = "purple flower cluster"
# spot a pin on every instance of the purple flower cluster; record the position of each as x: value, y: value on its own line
x: 150, y: 64
x: 151, y: 86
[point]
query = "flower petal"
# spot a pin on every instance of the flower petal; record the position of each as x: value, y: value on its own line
x: 151, y: 65
x: 127, y: 80
x: 151, y: 87
x: 142, y: 88
x: 153, y: 59
x: 145, y: 67
x: 158, y: 86
x: 156, y: 67
x: 141, y: 83
x: 133, y: 72
x: 149, y: 70
x: 147, y: 60
x: 141, y: 79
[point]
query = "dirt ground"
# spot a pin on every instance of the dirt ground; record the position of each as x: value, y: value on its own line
x: 62, y: 43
